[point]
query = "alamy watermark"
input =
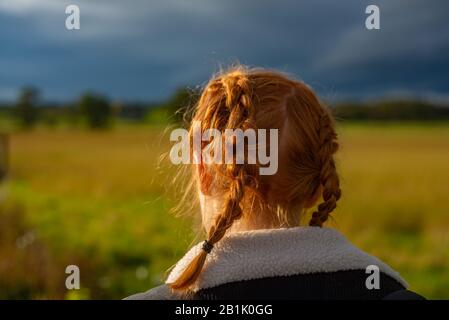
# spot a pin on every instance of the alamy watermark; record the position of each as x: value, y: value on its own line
x: 72, y: 282
x: 373, y: 280
x: 372, y: 22
x: 72, y: 22
x: 233, y: 150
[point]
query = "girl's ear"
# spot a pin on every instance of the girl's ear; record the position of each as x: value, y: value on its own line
x: 310, y: 203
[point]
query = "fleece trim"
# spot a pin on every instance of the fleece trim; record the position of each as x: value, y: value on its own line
x: 278, y: 252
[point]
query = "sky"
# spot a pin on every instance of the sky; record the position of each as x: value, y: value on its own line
x: 141, y: 50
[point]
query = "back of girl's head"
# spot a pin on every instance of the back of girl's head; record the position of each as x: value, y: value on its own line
x: 243, y: 98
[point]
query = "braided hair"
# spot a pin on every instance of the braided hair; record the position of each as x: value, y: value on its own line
x: 250, y: 99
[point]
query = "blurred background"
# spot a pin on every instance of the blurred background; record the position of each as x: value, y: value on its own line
x: 84, y: 117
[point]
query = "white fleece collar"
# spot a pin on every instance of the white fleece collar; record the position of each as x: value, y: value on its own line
x: 278, y: 252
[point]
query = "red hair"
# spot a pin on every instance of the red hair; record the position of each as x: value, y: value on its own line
x: 253, y: 98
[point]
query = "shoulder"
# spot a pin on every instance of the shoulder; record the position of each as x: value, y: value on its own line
x: 162, y: 292
x: 338, y: 285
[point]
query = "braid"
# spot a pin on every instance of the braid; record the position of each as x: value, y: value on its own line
x: 231, y: 211
x: 328, y: 174
x: 238, y: 100
x: 237, y: 106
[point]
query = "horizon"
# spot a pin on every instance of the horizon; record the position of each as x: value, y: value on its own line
x: 436, y: 100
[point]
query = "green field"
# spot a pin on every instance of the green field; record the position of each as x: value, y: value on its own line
x: 101, y: 200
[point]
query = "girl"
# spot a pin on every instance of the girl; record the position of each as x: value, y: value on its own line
x: 255, y: 247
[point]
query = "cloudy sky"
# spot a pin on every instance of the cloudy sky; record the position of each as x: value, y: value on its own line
x: 143, y: 50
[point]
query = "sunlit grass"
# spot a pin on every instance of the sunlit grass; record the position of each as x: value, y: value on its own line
x: 100, y: 199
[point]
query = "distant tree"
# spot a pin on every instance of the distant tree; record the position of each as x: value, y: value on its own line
x: 403, y: 110
x: 390, y: 110
x: 26, y: 108
x: 177, y: 105
x: 350, y: 110
x: 96, y: 110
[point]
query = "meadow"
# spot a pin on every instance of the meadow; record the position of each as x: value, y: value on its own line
x: 102, y: 200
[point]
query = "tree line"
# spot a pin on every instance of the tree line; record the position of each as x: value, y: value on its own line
x: 402, y: 110
x: 98, y: 112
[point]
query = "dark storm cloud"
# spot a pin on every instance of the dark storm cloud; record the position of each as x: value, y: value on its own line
x: 145, y: 49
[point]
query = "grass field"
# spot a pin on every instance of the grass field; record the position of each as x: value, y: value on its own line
x: 101, y: 201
